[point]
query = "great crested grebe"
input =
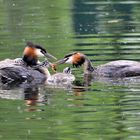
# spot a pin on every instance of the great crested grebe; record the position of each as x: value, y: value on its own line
x: 59, y: 78
x: 114, y: 69
x: 21, y: 69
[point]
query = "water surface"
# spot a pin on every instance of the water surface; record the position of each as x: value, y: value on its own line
x: 104, y: 31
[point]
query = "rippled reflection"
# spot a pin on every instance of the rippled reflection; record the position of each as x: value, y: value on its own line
x: 92, y: 109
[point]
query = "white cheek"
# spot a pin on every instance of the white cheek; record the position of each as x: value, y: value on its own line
x: 70, y: 60
x: 38, y: 53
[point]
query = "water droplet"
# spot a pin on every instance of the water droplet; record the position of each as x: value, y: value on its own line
x: 86, y: 30
x: 133, y: 30
x: 49, y: 36
x: 13, y: 4
x: 51, y: 5
x: 29, y: 131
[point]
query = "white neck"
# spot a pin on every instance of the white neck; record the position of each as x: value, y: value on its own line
x: 46, y: 72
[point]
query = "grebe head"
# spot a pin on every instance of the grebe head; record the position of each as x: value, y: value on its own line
x: 67, y: 70
x: 76, y: 59
x: 32, y: 52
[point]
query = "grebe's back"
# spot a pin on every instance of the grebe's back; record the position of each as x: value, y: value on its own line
x: 119, y: 68
x: 20, y: 73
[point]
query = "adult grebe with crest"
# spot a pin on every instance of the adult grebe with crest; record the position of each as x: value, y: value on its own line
x: 21, y: 69
x: 113, y: 69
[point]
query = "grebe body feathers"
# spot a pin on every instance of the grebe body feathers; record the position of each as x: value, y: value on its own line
x: 12, y: 70
x: 61, y: 78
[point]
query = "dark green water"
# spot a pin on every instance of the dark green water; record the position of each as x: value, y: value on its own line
x: 105, y: 31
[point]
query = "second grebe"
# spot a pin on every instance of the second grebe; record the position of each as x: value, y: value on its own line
x: 119, y: 68
x: 21, y: 69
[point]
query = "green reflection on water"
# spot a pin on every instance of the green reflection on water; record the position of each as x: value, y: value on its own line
x: 46, y: 23
x: 104, y: 32
x: 65, y: 115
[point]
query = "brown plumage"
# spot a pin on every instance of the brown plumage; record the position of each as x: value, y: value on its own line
x: 30, y: 55
x: 76, y: 58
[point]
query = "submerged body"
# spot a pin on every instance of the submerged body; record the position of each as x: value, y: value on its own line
x: 114, y: 69
x: 17, y: 71
x: 120, y: 69
x: 11, y: 71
